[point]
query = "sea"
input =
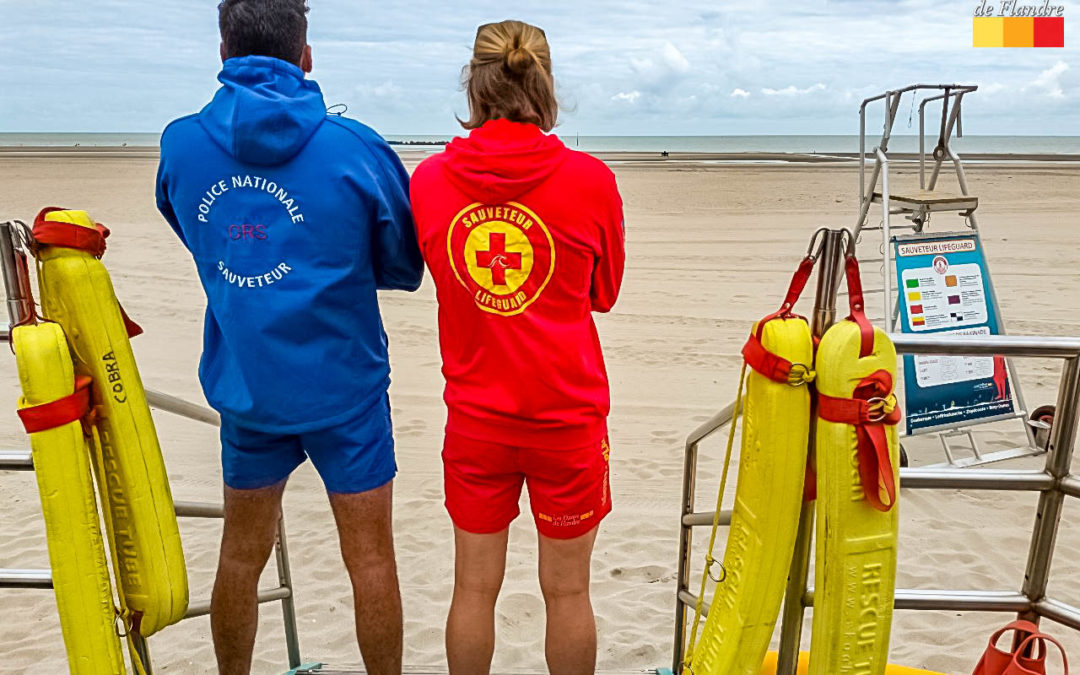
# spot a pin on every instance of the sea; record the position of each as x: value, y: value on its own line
x: 813, y: 144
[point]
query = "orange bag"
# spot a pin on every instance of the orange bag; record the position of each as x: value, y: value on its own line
x: 1014, y: 662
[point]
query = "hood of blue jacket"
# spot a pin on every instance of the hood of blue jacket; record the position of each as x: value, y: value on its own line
x: 265, y: 110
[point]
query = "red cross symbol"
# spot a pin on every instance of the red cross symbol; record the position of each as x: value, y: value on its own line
x: 498, y: 259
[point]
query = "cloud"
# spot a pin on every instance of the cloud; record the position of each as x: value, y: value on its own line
x: 662, y: 68
x: 792, y: 90
x: 674, y: 59
x: 1049, y: 80
x: 384, y: 90
x: 692, y: 67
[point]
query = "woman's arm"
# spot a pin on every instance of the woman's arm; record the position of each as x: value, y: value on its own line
x: 608, y: 268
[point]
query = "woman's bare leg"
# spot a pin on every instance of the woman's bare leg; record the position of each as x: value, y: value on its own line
x: 570, y: 645
x: 479, y: 564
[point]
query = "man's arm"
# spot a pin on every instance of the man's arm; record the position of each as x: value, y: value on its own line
x: 395, y: 252
x: 162, y: 193
x: 608, y: 268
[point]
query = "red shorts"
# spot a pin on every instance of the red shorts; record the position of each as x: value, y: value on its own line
x: 569, y: 489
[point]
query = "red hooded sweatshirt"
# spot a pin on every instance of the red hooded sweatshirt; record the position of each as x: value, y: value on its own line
x: 524, y: 238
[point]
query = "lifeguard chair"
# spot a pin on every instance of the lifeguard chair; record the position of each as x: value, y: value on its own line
x: 917, y: 207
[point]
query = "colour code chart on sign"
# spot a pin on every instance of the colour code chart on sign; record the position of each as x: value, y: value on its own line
x: 933, y: 371
x: 943, y: 296
x: 1017, y: 31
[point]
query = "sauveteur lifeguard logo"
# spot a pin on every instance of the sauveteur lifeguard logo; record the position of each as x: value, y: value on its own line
x: 503, y: 255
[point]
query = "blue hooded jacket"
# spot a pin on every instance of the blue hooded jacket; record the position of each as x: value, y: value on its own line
x: 294, y: 218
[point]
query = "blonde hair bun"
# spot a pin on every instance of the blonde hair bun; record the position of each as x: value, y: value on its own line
x: 509, y: 76
x: 519, y: 59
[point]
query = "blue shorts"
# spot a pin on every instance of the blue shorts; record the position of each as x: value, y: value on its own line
x: 355, y: 456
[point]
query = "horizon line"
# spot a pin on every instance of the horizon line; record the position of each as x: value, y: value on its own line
x: 447, y: 135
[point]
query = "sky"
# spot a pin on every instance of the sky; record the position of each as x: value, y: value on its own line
x: 630, y: 67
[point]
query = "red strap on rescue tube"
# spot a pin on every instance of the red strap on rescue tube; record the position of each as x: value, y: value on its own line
x: 770, y: 365
x: 130, y: 326
x: 795, y: 289
x: 868, y: 411
x: 798, y: 282
x: 773, y: 366
x: 69, y: 235
x: 754, y: 352
x: 858, y: 307
x: 70, y: 408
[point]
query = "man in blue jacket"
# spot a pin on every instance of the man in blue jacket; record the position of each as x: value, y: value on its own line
x: 294, y: 219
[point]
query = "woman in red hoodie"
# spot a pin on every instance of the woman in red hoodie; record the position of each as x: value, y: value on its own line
x: 524, y: 239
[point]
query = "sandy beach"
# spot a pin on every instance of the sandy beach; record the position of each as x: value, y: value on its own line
x: 711, y: 247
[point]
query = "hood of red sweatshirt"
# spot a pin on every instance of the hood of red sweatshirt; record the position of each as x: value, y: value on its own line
x: 502, y: 160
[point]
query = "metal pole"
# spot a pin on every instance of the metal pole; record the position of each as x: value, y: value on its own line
x: 948, y: 134
x: 26, y: 579
x: 288, y: 606
x: 686, y: 534
x: 16, y: 277
x: 16, y: 460
x: 961, y: 178
x: 892, y: 105
x: 986, y: 345
x: 791, y: 622
x: 867, y: 197
x: 948, y: 600
x: 1058, y: 462
x: 862, y: 164
x: 178, y: 406
x: 922, y: 144
x: 202, y: 607
x: 198, y: 509
x: 886, y: 237
x: 1058, y: 611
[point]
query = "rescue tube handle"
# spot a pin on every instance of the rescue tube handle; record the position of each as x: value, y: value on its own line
x: 857, y: 306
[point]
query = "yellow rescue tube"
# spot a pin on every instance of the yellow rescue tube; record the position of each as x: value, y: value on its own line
x: 148, y: 560
x: 855, y: 568
x: 765, y: 518
x: 80, y: 574
x: 769, y: 668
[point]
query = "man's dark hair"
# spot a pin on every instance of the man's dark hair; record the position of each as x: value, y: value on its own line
x: 276, y: 28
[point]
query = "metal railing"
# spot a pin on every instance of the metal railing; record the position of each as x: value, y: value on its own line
x: 21, y: 460
x: 17, y: 285
x: 1054, y: 483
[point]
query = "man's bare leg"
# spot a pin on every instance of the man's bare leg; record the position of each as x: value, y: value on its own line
x: 570, y: 645
x: 251, y: 523
x: 479, y: 565
x: 365, y: 529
